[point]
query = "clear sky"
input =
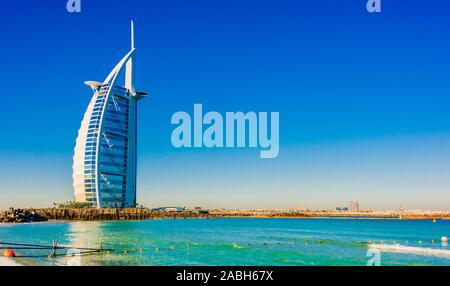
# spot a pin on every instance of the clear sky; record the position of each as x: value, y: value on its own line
x: 363, y: 98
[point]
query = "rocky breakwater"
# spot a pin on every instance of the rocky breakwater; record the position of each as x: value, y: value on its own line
x: 66, y: 214
x: 20, y: 216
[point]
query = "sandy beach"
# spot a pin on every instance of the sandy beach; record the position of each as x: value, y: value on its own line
x: 5, y: 261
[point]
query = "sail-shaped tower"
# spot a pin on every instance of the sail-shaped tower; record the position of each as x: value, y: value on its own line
x: 104, y: 164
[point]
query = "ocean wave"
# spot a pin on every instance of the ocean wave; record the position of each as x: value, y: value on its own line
x: 411, y: 250
x: 235, y: 245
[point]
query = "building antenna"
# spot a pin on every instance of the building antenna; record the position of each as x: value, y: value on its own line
x: 132, y: 34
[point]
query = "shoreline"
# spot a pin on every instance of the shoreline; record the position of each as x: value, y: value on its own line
x: 241, y: 217
x: 6, y: 261
x: 68, y: 215
x: 18, y: 261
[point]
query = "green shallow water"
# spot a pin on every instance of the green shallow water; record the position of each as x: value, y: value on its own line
x: 287, y: 242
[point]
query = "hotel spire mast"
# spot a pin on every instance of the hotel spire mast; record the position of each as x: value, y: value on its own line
x: 129, y: 80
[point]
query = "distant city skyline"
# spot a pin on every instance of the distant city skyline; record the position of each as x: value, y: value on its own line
x: 363, y: 99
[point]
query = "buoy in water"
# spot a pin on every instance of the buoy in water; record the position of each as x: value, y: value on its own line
x: 444, y: 239
x: 9, y: 253
x: 172, y: 248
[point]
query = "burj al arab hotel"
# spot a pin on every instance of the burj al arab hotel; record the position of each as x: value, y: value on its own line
x: 104, y: 164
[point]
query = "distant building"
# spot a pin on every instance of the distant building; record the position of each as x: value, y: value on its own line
x: 341, y: 209
x: 104, y: 163
x: 353, y: 206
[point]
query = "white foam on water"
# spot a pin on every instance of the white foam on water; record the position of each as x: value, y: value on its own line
x: 235, y: 245
x: 410, y: 249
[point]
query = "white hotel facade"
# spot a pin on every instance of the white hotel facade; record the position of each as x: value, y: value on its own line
x: 104, y: 163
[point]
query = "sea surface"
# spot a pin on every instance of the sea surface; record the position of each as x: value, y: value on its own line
x: 236, y: 241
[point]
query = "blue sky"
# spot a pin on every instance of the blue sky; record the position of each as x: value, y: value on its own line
x: 363, y: 98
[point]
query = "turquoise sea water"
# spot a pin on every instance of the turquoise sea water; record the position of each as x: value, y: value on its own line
x: 238, y: 241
